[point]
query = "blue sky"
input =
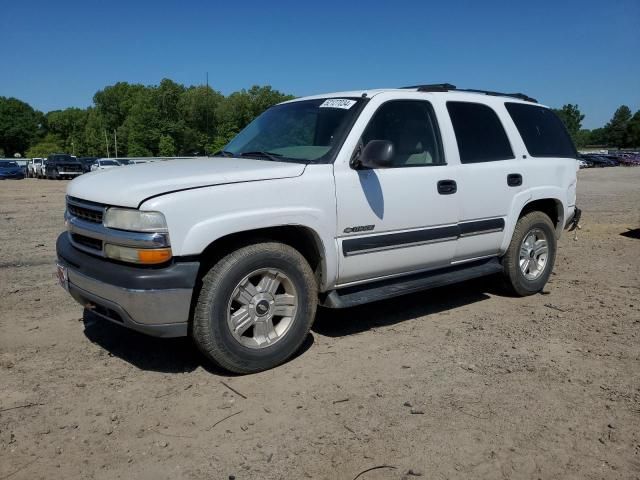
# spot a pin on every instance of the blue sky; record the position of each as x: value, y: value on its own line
x: 57, y: 54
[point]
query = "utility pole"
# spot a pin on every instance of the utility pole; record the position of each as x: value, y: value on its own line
x: 206, y: 113
x: 115, y: 137
x: 106, y: 140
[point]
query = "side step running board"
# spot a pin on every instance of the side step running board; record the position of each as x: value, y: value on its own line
x: 371, y: 292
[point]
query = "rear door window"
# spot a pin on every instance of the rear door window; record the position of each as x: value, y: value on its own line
x: 479, y: 133
x: 542, y: 131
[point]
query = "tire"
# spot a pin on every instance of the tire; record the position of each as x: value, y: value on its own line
x: 524, y: 278
x: 226, y: 294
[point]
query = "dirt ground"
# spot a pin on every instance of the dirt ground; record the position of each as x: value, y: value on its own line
x: 455, y: 383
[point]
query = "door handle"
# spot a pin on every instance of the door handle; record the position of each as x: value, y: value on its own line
x: 447, y: 187
x: 514, y: 179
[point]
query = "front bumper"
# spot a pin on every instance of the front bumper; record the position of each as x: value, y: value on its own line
x: 155, y: 301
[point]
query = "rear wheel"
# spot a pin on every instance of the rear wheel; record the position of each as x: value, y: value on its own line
x: 255, y: 308
x: 529, y: 260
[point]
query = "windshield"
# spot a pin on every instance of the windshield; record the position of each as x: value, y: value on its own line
x: 307, y: 130
x: 6, y: 164
x: 110, y: 163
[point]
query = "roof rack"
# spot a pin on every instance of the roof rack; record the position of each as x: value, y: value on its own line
x: 446, y: 87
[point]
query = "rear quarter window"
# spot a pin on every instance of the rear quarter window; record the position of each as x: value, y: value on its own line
x: 542, y: 131
x: 479, y: 133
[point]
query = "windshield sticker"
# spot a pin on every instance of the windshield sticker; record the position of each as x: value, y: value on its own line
x: 344, y: 103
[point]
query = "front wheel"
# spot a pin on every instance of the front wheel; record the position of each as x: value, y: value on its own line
x: 531, y: 254
x: 255, y: 307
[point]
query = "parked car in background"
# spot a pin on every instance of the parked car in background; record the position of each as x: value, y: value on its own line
x: 86, y: 163
x: 600, y: 160
x: 42, y: 169
x: 124, y: 161
x: 9, y: 169
x: 582, y: 163
x: 104, y: 164
x: 629, y: 159
x: 61, y: 165
x: 33, y: 168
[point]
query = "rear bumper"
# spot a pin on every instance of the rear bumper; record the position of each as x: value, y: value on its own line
x: 155, y: 301
x: 574, y: 217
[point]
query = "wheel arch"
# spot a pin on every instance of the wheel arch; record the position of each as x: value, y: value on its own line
x: 548, y: 202
x: 304, y: 239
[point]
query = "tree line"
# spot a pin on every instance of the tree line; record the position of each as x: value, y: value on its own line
x: 158, y: 120
x: 171, y: 119
x: 622, y: 131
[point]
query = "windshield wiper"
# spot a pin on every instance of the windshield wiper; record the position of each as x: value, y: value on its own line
x: 274, y: 157
x: 222, y: 153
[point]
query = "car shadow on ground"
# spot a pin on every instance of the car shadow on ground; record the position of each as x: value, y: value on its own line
x: 632, y: 233
x: 167, y: 355
x: 350, y: 321
x: 180, y: 355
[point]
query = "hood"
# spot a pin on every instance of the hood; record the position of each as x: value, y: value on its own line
x: 10, y: 169
x: 131, y: 185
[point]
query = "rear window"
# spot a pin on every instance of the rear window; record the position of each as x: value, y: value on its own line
x: 479, y: 133
x: 542, y: 131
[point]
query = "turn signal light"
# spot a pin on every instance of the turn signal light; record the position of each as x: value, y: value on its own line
x: 143, y: 256
x: 159, y: 255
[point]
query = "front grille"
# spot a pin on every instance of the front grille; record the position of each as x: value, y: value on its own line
x: 70, y: 167
x: 90, y: 212
x: 88, y: 242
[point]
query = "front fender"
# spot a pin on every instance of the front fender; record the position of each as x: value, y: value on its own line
x: 198, y: 217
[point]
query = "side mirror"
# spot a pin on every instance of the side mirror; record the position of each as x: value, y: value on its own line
x: 377, y: 154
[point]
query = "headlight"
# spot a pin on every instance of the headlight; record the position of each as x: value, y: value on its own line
x: 134, y: 220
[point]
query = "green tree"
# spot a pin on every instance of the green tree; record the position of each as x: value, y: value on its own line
x: 616, y: 129
x: 166, y: 147
x: 633, y: 131
x: 95, y: 145
x: 198, y: 109
x: 69, y: 125
x: 51, y: 143
x: 572, y: 119
x: 598, y: 136
x: 115, y: 102
x: 143, y: 126
x: 20, y: 125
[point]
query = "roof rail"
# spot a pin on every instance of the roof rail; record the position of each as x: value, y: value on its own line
x: 433, y: 87
x: 446, y: 87
x: 520, y: 96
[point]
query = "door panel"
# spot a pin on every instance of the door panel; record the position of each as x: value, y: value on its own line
x: 412, y: 226
x: 490, y: 178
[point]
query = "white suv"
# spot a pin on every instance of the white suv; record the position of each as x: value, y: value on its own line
x: 333, y: 200
x: 34, y: 168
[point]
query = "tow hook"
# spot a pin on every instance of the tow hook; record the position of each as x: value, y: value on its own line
x: 574, y: 225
